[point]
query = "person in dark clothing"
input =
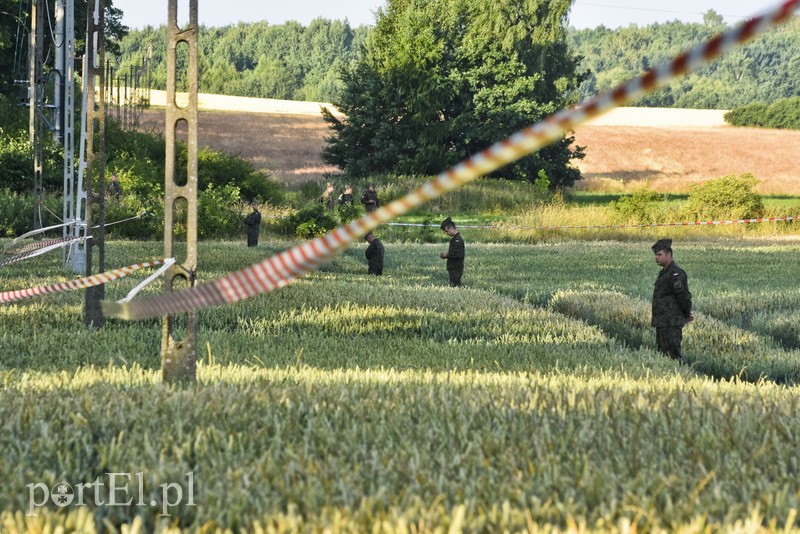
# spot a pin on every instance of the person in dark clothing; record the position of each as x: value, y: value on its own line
x: 374, y: 254
x: 346, y: 198
x: 114, y: 189
x: 672, y: 302
x: 370, y: 198
x: 454, y: 254
x: 253, y: 222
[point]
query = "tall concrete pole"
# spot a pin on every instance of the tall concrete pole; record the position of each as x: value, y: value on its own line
x: 95, y: 157
x: 179, y: 341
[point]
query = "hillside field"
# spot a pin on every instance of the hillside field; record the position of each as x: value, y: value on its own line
x: 665, y: 148
x: 530, y: 400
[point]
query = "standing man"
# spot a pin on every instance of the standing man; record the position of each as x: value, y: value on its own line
x: 114, y: 189
x: 454, y: 254
x: 370, y: 198
x: 672, y: 302
x: 374, y: 254
x: 253, y: 221
x: 346, y: 198
x: 326, y: 199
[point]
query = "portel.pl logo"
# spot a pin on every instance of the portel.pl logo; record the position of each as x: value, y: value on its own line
x: 117, y: 493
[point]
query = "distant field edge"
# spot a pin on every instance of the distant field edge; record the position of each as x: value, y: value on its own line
x: 211, y: 102
x: 623, y: 116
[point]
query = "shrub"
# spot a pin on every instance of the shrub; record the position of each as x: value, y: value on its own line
x: 16, y: 214
x: 727, y: 197
x: 218, y: 211
x: 311, y: 221
x: 638, y: 207
x: 348, y: 213
x: 783, y: 113
x: 16, y: 162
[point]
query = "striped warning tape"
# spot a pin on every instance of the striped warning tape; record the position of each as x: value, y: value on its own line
x: 56, y: 244
x: 35, y: 232
x: 82, y: 283
x: 68, y: 223
x: 37, y: 245
x: 289, y: 265
x: 606, y: 226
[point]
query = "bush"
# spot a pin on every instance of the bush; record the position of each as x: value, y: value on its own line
x: 348, y: 213
x: 17, y: 213
x: 219, y: 212
x: 727, y: 197
x: 311, y: 221
x: 16, y: 162
x: 638, y: 207
x: 783, y: 113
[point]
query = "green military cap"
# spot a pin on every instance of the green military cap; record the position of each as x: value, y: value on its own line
x: 447, y: 222
x: 662, y: 244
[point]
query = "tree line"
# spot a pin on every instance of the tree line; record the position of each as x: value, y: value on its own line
x: 296, y: 62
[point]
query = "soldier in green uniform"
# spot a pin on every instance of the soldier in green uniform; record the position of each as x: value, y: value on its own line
x: 374, y: 254
x: 454, y: 254
x: 672, y: 302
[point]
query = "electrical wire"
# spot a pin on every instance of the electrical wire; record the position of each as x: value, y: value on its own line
x: 631, y: 8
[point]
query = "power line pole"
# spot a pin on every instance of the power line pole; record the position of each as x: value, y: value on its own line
x: 36, y: 102
x: 179, y: 348
x: 94, y: 88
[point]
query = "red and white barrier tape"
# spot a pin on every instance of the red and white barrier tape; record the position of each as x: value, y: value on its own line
x: 46, y: 247
x: 606, y: 226
x: 82, y: 283
x: 35, y: 232
x: 37, y: 245
x: 289, y: 265
x: 147, y: 281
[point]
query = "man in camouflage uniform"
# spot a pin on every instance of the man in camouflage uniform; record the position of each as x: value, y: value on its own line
x: 454, y: 254
x: 672, y: 302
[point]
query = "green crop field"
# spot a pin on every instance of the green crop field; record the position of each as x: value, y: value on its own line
x: 530, y: 400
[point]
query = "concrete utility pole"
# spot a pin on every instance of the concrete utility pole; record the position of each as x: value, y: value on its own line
x: 179, y: 349
x: 94, y: 84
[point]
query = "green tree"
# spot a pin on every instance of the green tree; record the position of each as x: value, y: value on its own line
x: 440, y: 80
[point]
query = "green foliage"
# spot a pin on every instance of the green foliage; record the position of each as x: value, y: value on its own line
x: 17, y: 213
x: 638, y: 207
x: 727, y: 197
x: 287, y: 61
x: 542, y: 184
x: 311, y: 221
x: 784, y: 113
x: 16, y: 157
x: 149, y: 225
x: 763, y: 70
x: 219, y: 211
x: 443, y: 80
x: 348, y: 213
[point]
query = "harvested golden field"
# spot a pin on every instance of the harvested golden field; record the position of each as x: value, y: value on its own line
x: 668, y: 149
x: 288, y: 146
x: 670, y: 159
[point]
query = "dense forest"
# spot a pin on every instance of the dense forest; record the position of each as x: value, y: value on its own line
x: 296, y: 62
x: 287, y: 61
